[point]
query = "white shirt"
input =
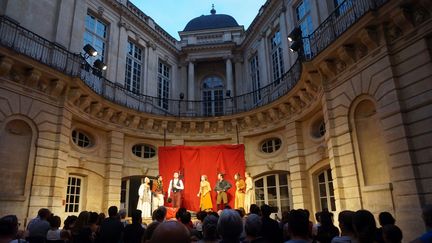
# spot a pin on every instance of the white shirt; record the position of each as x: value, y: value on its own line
x: 173, y: 185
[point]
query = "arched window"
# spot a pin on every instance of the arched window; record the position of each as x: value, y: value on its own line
x: 213, y: 89
x: 271, y: 145
x: 274, y: 190
x: 81, y: 139
x: 144, y: 151
x: 325, y: 190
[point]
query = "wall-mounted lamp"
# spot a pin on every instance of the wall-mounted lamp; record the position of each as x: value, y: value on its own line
x: 295, y: 37
x: 89, y: 50
x: 181, y: 96
x: 100, y: 65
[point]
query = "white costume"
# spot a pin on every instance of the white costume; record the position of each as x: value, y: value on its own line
x: 144, y: 200
x: 250, y: 194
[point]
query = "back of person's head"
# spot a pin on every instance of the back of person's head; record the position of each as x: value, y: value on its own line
x: 82, y: 221
x: 326, y: 220
x: 93, y: 218
x: 241, y: 212
x: 54, y: 221
x: 159, y: 214
x: 185, y: 218
x: 8, y: 227
x: 427, y: 215
x: 346, y: 221
x: 171, y: 232
x: 364, y: 226
x: 266, y: 210
x: 317, y: 216
x: 392, y: 234
x: 201, y: 215
x: 230, y: 225
x: 112, y: 211
x: 180, y: 212
x: 136, y: 216
x: 44, y: 213
x: 101, y: 218
x: 150, y: 230
x: 386, y: 218
x: 209, y: 227
x: 298, y: 224
x: 254, y: 209
x: 307, y: 213
x: 69, y: 222
x: 253, y: 225
x: 122, y: 213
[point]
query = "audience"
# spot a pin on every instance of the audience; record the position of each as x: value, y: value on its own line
x: 9, y: 229
x: 391, y: 234
x: 270, y: 227
x: 427, y: 219
x: 347, y: 234
x: 384, y: 218
x: 148, y: 233
x: 364, y: 226
x: 81, y: 231
x: 229, y: 226
x: 38, y: 227
x: 254, y: 209
x: 253, y: 228
x: 159, y: 214
x: 111, y: 228
x: 122, y: 214
x: 326, y: 231
x: 209, y: 229
x: 133, y: 233
x: 170, y: 232
x: 54, y: 233
x: 298, y: 227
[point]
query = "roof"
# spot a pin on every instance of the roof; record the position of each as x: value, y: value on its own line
x: 212, y: 21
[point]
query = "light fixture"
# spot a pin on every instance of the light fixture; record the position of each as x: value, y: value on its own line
x: 100, y: 65
x: 90, y: 50
x: 296, y: 45
x: 181, y: 96
x: 295, y: 35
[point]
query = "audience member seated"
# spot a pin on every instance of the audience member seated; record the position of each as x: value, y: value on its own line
x: 270, y: 227
x: 159, y: 214
x: 200, y: 219
x: 364, y: 226
x: 317, y: 225
x: 209, y: 229
x: 384, y: 218
x: 38, y: 227
x: 326, y: 231
x: 111, y: 228
x: 253, y: 229
x: 170, y: 232
x: 148, y: 233
x: 133, y: 233
x: 347, y: 231
x: 9, y: 230
x: 298, y: 227
x: 254, y: 209
x: 230, y: 226
x: 185, y: 218
x: 427, y: 218
x: 122, y: 214
x: 391, y: 234
x: 54, y: 233
x: 81, y: 231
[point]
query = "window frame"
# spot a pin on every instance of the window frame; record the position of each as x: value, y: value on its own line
x: 273, y: 145
x: 143, y: 151
x: 76, y: 140
x: 163, y: 86
x: 277, y: 187
x: 276, y: 57
x: 96, y: 36
x: 77, y: 206
x: 329, y: 194
x: 307, y: 19
x: 255, y: 77
x: 134, y: 67
x: 213, y: 97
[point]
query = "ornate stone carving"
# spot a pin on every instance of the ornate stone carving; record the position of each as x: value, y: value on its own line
x: 5, y: 65
x: 402, y: 18
x: 369, y: 37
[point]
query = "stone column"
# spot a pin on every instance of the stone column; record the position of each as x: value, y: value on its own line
x: 121, y: 57
x: 229, y: 75
x: 191, y: 84
x: 284, y: 37
x: 113, y: 170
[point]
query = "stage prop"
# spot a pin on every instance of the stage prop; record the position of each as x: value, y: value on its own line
x: 194, y: 161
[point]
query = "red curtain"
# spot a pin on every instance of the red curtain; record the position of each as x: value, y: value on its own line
x: 194, y: 161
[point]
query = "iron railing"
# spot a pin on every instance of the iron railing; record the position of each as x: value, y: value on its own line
x: 25, y: 42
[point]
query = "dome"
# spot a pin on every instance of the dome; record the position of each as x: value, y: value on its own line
x: 212, y: 21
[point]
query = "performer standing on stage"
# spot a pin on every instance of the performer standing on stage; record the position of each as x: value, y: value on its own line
x: 240, y: 191
x: 222, y: 186
x: 204, y: 194
x: 158, y: 194
x: 144, y: 201
x: 176, y: 187
x: 250, y: 192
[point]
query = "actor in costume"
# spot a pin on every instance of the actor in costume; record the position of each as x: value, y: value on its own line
x: 250, y: 192
x: 158, y: 194
x: 144, y: 200
x: 222, y: 186
x: 240, y: 191
x: 204, y: 194
x: 176, y: 187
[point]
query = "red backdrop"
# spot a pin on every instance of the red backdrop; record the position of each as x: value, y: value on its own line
x: 194, y: 161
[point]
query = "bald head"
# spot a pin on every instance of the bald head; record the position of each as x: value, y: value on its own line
x: 171, y: 232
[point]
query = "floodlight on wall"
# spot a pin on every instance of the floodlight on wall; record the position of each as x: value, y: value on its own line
x: 295, y: 35
x: 296, y: 46
x: 89, y: 50
x: 100, y: 65
x: 181, y: 96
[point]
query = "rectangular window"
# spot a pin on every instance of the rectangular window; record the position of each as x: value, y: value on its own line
x: 73, y: 194
x: 304, y: 21
x: 95, y: 34
x: 276, y: 57
x: 326, y: 191
x: 256, y: 84
x: 163, y: 85
x: 134, y: 64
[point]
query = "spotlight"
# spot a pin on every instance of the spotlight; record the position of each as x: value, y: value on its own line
x: 90, y: 50
x: 296, y: 34
x: 99, y: 65
x: 181, y: 96
x: 296, y: 45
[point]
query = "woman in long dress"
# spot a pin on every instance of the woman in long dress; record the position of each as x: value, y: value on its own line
x: 144, y: 201
x: 204, y: 194
x: 240, y: 192
x: 250, y: 192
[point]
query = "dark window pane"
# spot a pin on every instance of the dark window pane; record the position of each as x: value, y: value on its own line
x: 283, y: 179
x: 271, y: 180
x: 259, y: 183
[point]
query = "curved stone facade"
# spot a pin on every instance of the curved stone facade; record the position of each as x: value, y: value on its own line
x: 356, y: 118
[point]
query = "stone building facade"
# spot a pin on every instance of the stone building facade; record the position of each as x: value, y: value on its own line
x: 344, y: 126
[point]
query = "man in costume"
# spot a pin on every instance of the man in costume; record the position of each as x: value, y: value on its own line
x: 222, y: 186
x: 176, y: 187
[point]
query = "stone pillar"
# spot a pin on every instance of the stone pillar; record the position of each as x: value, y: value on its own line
x: 191, y: 84
x: 113, y: 170
x: 229, y: 76
x: 121, y: 57
x: 284, y: 37
x: 300, y: 188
